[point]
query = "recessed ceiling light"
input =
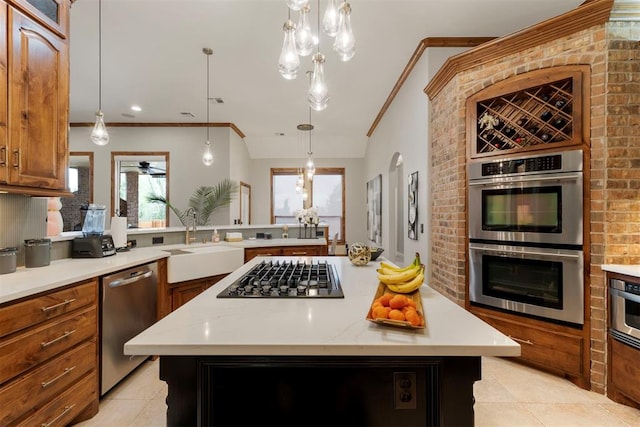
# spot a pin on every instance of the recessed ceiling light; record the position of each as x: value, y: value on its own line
x: 128, y: 115
x: 186, y: 114
x: 136, y: 108
x: 278, y: 133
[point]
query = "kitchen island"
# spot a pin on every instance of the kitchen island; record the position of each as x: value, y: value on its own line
x: 303, y: 361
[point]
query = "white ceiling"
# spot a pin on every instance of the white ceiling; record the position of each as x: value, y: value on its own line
x: 152, y: 56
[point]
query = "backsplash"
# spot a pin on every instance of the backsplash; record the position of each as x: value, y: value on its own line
x: 21, y: 217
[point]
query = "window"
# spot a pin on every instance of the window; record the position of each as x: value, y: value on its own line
x: 326, y: 194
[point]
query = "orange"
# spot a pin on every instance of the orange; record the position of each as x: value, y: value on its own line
x: 384, y: 299
x: 381, y: 312
x: 413, y: 317
x: 376, y: 304
x: 398, y: 301
x: 396, y: 315
x: 411, y: 302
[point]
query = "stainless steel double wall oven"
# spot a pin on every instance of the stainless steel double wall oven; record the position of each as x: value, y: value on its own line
x: 526, y: 235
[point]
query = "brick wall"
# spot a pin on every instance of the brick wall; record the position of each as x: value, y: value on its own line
x: 613, y: 54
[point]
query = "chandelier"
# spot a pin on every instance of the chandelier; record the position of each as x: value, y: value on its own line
x: 300, y: 41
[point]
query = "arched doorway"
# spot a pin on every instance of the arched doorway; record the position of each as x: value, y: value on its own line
x: 396, y: 208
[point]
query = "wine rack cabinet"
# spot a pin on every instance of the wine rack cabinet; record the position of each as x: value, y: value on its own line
x: 537, y: 110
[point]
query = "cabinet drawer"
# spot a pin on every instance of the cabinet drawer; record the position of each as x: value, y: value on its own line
x: 68, y: 405
x: 625, y: 369
x: 299, y: 251
x: 45, y: 383
x: 547, y: 348
x: 35, y: 346
x: 15, y: 317
x: 251, y: 253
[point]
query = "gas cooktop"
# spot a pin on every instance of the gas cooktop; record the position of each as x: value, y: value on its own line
x: 287, y: 279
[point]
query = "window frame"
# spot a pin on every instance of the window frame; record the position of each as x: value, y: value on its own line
x: 309, y: 202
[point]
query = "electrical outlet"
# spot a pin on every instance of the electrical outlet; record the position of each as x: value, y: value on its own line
x: 404, y: 390
x: 157, y: 240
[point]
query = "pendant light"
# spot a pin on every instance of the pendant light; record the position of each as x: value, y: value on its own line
x: 345, y: 44
x: 99, y: 134
x: 297, y: 4
x: 207, y: 156
x: 318, y: 95
x: 289, y: 61
x: 331, y: 19
x: 303, y: 35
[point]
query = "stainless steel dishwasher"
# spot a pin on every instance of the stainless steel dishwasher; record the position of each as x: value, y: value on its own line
x: 128, y: 307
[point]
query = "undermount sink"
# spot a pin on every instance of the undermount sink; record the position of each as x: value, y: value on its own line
x: 188, y: 262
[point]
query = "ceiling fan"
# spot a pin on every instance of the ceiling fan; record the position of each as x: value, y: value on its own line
x: 143, y: 168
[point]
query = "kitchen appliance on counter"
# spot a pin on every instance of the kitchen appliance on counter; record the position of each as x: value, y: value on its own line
x: 93, y: 247
x: 129, y: 303
x: 287, y: 279
x: 625, y: 311
x: 526, y: 235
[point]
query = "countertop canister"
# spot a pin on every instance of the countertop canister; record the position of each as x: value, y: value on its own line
x: 7, y: 260
x: 37, y: 252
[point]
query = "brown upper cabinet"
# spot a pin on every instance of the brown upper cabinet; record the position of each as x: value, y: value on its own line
x: 34, y: 97
x: 537, y: 110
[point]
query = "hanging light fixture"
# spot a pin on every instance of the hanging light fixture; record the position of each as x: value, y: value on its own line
x: 345, y: 43
x: 207, y: 155
x: 99, y: 134
x: 289, y: 61
x: 303, y: 35
x: 336, y: 22
x: 331, y: 19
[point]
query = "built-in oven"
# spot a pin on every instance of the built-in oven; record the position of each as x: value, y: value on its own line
x: 625, y: 311
x: 533, y: 199
x: 539, y: 282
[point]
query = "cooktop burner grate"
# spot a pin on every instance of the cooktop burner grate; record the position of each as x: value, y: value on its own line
x: 286, y: 279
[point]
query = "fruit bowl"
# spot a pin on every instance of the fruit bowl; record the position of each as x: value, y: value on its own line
x: 375, y: 252
x: 414, y: 296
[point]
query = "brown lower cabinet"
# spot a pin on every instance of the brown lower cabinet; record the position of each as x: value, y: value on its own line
x: 303, y: 250
x: 624, y: 373
x: 183, y: 292
x: 49, y: 357
x: 559, y: 349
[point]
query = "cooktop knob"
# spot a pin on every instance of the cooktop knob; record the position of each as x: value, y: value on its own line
x: 301, y: 290
x: 265, y: 290
x: 283, y: 290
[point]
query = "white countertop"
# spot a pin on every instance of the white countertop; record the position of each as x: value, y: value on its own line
x: 30, y: 281
x: 629, y: 270
x: 208, y: 325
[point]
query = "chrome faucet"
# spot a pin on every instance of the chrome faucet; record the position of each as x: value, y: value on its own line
x: 190, y: 215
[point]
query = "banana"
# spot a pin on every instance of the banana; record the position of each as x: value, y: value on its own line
x: 410, y: 286
x: 399, y: 277
x: 416, y: 262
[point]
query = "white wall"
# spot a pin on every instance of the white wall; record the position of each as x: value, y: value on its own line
x: 404, y: 130
x: 356, y: 197
x: 186, y: 170
x: 240, y: 170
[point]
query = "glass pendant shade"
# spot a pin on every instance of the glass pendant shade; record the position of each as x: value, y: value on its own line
x: 99, y: 134
x: 310, y: 168
x: 297, y: 4
x: 303, y: 35
x: 345, y: 43
x: 289, y: 61
x: 330, y: 19
x: 207, y: 156
x: 318, y: 91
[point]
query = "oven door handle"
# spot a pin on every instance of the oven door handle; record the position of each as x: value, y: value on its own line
x: 625, y: 295
x: 507, y: 252
x: 511, y: 180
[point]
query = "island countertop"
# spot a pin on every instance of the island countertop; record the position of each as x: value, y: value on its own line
x: 306, y: 326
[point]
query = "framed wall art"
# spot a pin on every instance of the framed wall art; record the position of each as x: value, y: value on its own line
x: 374, y: 209
x: 413, y: 206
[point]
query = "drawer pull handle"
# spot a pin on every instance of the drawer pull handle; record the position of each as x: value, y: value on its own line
x: 16, y: 159
x: 53, y: 307
x: 61, y: 337
x: 299, y: 253
x: 66, y: 409
x: 3, y: 156
x: 521, y: 340
x: 264, y: 255
x: 46, y: 384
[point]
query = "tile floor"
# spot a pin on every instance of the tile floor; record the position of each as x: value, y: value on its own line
x: 509, y: 394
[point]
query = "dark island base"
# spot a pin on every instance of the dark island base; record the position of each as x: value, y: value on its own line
x: 319, y: 391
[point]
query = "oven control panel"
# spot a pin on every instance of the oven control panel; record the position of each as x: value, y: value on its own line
x: 632, y: 288
x: 532, y: 164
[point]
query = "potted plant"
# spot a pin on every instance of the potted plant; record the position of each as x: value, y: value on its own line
x: 205, y: 200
